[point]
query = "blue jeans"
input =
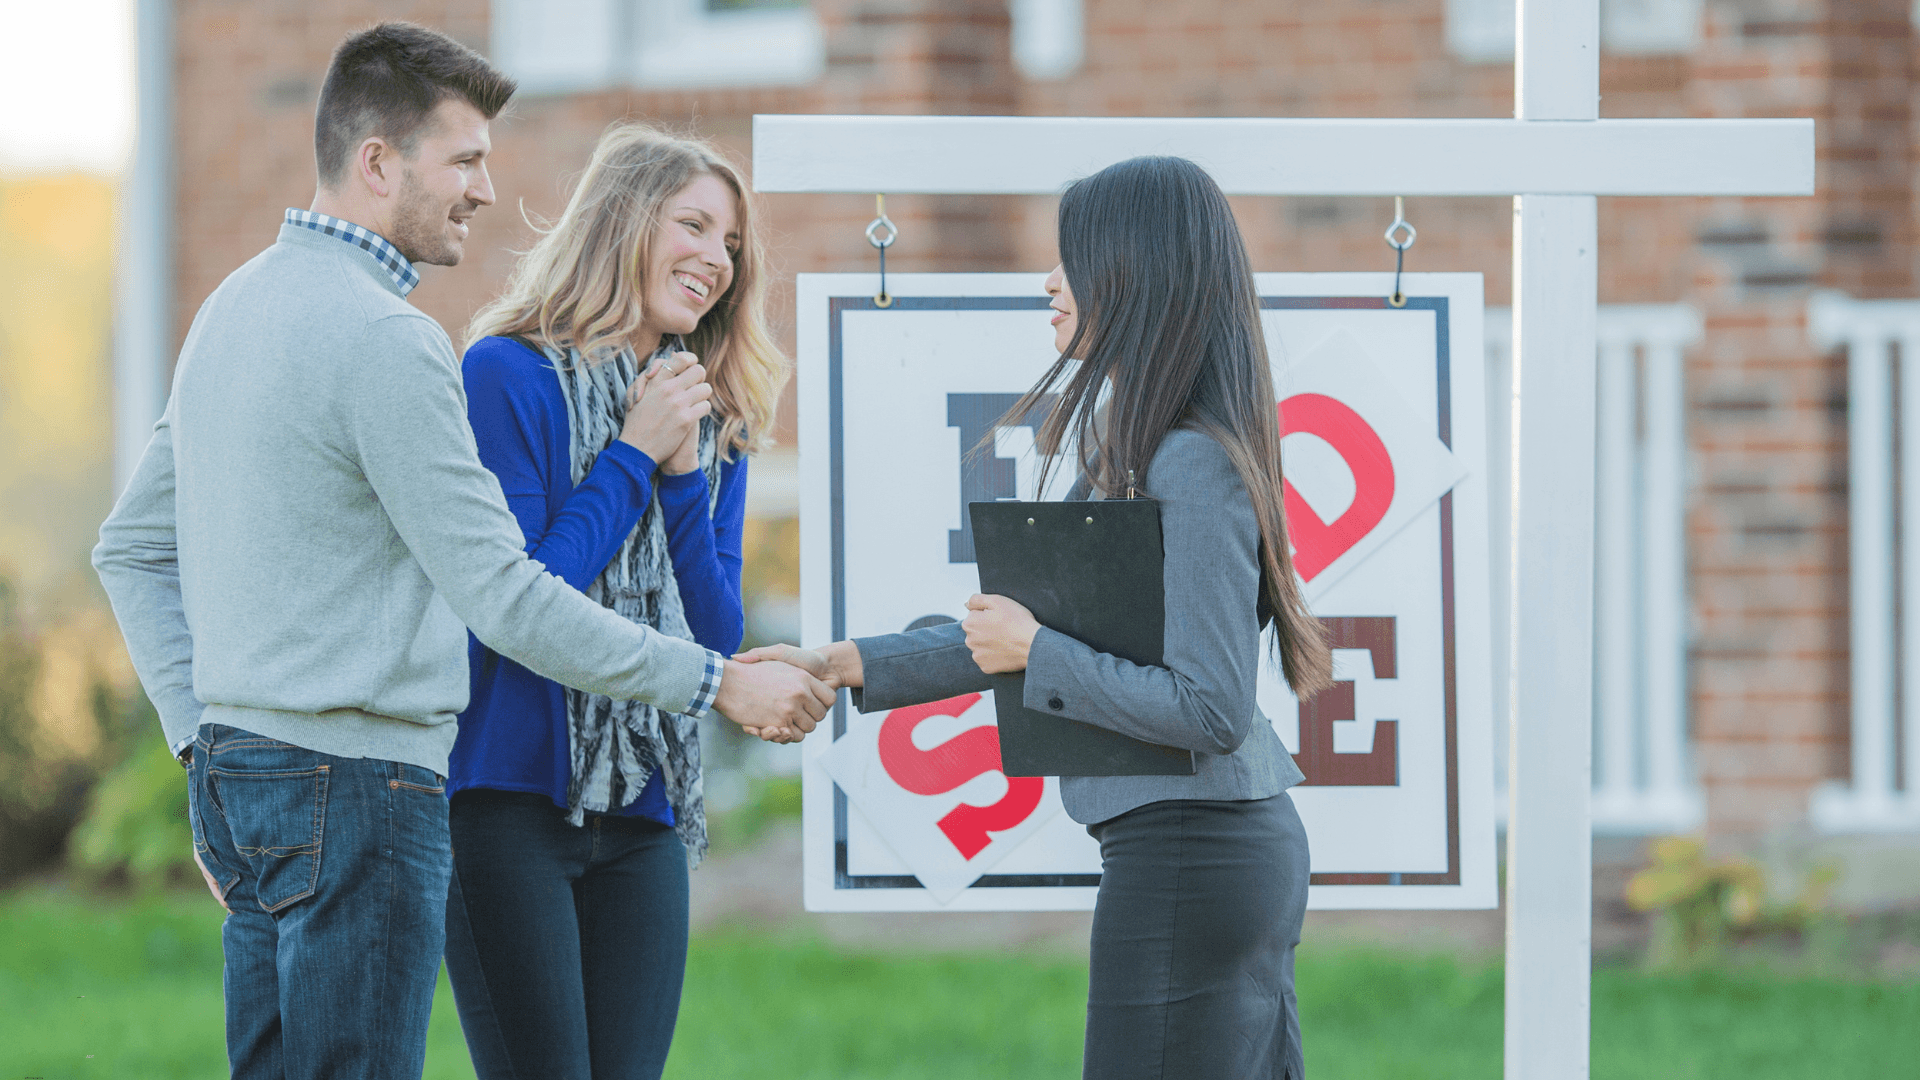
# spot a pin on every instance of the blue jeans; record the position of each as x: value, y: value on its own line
x: 566, y: 945
x: 334, y: 872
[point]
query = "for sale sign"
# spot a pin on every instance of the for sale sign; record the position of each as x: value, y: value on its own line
x: 1382, y: 414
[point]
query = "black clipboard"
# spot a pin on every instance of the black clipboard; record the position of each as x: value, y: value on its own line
x: 1093, y: 571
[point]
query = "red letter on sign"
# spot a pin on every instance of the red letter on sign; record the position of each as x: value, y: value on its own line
x: 1317, y: 543
x: 952, y: 763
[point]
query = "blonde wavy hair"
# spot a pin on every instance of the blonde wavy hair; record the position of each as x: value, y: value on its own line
x: 581, y: 285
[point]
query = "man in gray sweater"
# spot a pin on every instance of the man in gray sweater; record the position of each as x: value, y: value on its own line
x: 300, y: 553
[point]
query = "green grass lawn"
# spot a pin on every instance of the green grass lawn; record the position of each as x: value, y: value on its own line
x: 92, y: 988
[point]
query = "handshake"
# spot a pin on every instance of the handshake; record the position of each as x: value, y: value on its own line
x: 780, y: 692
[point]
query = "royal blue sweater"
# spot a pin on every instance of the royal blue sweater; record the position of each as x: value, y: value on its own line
x: 513, y: 736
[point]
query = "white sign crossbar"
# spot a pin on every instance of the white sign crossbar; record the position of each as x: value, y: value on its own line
x: 1038, y: 155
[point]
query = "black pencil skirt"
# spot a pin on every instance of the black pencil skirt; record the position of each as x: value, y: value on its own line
x: 1193, y: 935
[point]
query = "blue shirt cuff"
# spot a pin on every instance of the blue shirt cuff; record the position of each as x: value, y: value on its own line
x: 632, y: 459
x: 635, y: 466
x: 681, y: 483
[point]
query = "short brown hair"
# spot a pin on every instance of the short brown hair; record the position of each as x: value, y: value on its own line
x: 387, y: 80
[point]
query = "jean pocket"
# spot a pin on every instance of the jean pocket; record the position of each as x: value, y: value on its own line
x: 219, y: 879
x: 276, y: 817
x: 414, y: 778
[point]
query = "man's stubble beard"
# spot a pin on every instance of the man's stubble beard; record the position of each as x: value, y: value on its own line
x: 420, y: 226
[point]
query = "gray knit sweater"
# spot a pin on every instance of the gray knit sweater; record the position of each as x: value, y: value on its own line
x: 311, y: 532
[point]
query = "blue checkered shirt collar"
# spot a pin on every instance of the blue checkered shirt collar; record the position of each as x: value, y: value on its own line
x: 397, y: 266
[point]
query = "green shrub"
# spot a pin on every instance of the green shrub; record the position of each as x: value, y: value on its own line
x: 40, y: 797
x: 23, y: 788
x: 136, y: 822
x: 1702, y: 903
x: 44, y: 789
x: 770, y: 800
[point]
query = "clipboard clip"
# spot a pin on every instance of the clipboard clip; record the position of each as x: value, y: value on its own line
x: 1130, y: 491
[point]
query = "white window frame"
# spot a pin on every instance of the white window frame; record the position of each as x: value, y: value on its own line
x: 1050, y: 37
x: 679, y: 43
x: 1645, y: 780
x: 557, y: 46
x: 1883, y: 533
x: 569, y: 46
x: 1650, y: 27
x: 1481, y: 31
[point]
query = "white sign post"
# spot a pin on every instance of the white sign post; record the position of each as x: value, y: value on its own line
x: 1555, y: 157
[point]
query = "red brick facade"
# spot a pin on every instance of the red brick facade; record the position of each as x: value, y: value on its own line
x: 1767, y: 517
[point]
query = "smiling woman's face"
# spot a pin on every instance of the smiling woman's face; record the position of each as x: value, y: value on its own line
x: 693, y: 252
x: 1066, y: 319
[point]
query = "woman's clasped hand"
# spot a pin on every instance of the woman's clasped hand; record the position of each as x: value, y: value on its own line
x: 664, y: 408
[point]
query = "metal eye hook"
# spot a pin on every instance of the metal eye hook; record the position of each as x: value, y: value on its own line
x: 1399, y: 299
x: 881, y: 242
x: 1400, y: 222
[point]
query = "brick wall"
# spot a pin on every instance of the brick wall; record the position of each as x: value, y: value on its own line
x: 1769, y: 538
x: 1767, y: 526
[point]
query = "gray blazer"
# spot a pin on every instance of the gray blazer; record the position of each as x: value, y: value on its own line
x: 1202, y: 700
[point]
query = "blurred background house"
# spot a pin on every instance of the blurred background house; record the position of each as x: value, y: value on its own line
x: 1749, y: 685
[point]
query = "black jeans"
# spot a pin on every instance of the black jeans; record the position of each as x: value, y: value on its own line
x: 1199, y: 911
x: 566, y: 946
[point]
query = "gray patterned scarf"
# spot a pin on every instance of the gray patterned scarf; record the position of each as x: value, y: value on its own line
x: 616, y: 745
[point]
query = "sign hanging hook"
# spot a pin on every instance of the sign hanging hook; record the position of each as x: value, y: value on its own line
x: 881, y: 233
x: 1400, y: 246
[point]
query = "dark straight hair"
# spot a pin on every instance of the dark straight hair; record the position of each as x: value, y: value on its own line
x: 386, y: 80
x: 1169, y: 336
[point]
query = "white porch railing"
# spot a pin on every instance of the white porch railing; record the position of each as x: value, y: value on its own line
x: 1881, y: 337
x: 1643, y: 779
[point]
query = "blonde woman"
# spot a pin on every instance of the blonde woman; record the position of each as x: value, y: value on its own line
x: 616, y: 389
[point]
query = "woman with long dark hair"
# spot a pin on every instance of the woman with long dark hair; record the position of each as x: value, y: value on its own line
x: 1165, y: 387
